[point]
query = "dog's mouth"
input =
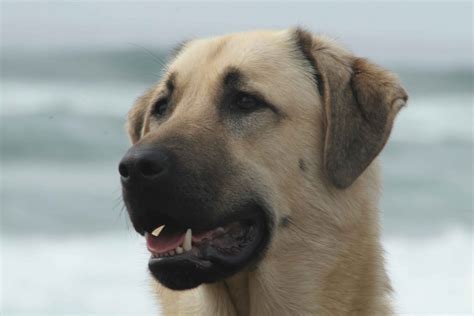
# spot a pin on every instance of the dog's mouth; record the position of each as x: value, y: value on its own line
x: 183, y: 257
x: 231, y: 239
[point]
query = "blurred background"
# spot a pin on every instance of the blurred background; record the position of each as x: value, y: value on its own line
x: 71, y: 70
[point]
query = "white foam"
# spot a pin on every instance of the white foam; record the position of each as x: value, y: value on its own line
x: 432, y: 276
x: 104, y: 275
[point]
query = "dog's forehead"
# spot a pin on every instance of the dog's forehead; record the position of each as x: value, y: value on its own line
x: 270, y: 61
x: 251, y: 52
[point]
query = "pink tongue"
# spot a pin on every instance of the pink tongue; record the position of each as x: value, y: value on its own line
x: 167, y: 240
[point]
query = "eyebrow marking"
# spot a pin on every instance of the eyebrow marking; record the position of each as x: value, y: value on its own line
x: 232, y: 76
x: 170, y: 83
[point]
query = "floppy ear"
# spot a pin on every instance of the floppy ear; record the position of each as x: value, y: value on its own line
x: 361, y: 101
x: 137, y: 115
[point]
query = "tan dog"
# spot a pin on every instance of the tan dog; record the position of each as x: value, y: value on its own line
x: 256, y: 152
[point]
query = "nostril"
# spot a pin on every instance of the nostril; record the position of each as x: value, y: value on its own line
x: 149, y: 168
x: 123, y: 170
x: 144, y: 164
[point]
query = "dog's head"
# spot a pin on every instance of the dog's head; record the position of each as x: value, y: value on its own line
x: 241, y: 131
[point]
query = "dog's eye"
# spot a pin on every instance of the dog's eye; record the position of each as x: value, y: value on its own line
x: 247, y: 102
x: 160, y: 107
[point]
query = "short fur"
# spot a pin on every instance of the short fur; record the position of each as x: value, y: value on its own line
x: 315, y: 166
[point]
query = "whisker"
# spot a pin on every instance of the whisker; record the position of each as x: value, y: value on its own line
x: 155, y: 57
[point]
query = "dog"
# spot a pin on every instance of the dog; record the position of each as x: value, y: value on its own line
x: 253, y: 176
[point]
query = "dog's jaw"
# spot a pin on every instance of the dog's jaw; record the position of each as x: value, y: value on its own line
x: 209, y: 257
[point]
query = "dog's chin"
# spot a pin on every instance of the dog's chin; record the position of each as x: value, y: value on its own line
x: 222, y: 252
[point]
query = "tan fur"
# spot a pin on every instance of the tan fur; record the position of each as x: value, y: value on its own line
x: 328, y: 259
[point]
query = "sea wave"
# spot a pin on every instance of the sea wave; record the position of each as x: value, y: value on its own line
x: 62, y: 136
x: 436, y: 118
x: 23, y: 97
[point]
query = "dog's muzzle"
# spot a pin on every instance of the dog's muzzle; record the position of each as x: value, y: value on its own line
x: 174, y: 202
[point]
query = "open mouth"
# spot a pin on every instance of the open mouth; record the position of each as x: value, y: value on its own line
x: 168, y: 241
x: 183, y: 258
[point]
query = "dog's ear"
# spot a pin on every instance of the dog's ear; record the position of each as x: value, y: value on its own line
x: 137, y: 116
x: 360, y: 100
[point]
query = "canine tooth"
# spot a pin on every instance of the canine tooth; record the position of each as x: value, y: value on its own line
x: 157, y: 231
x: 179, y: 250
x: 187, y: 240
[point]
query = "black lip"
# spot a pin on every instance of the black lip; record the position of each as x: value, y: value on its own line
x: 208, y: 265
x: 183, y: 272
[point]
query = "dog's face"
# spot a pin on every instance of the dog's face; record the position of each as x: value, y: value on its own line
x: 225, y: 143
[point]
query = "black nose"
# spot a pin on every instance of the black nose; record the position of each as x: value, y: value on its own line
x: 145, y: 164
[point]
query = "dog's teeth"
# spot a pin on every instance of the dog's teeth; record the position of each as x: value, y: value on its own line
x: 157, y: 231
x: 171, y: 253
x: 187, y: 240
x: 179, y: 250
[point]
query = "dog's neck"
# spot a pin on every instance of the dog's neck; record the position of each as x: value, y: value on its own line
x: 355, y: 285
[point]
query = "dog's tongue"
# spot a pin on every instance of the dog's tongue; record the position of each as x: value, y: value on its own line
x: 168, y: 239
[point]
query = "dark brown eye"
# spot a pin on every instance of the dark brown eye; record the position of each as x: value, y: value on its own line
x: 160, y: 107
x: 247, y: 102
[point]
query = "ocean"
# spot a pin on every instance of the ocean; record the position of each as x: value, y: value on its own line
x: 67, y: 246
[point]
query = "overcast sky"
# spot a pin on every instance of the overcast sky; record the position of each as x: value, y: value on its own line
x: 401, y: 32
